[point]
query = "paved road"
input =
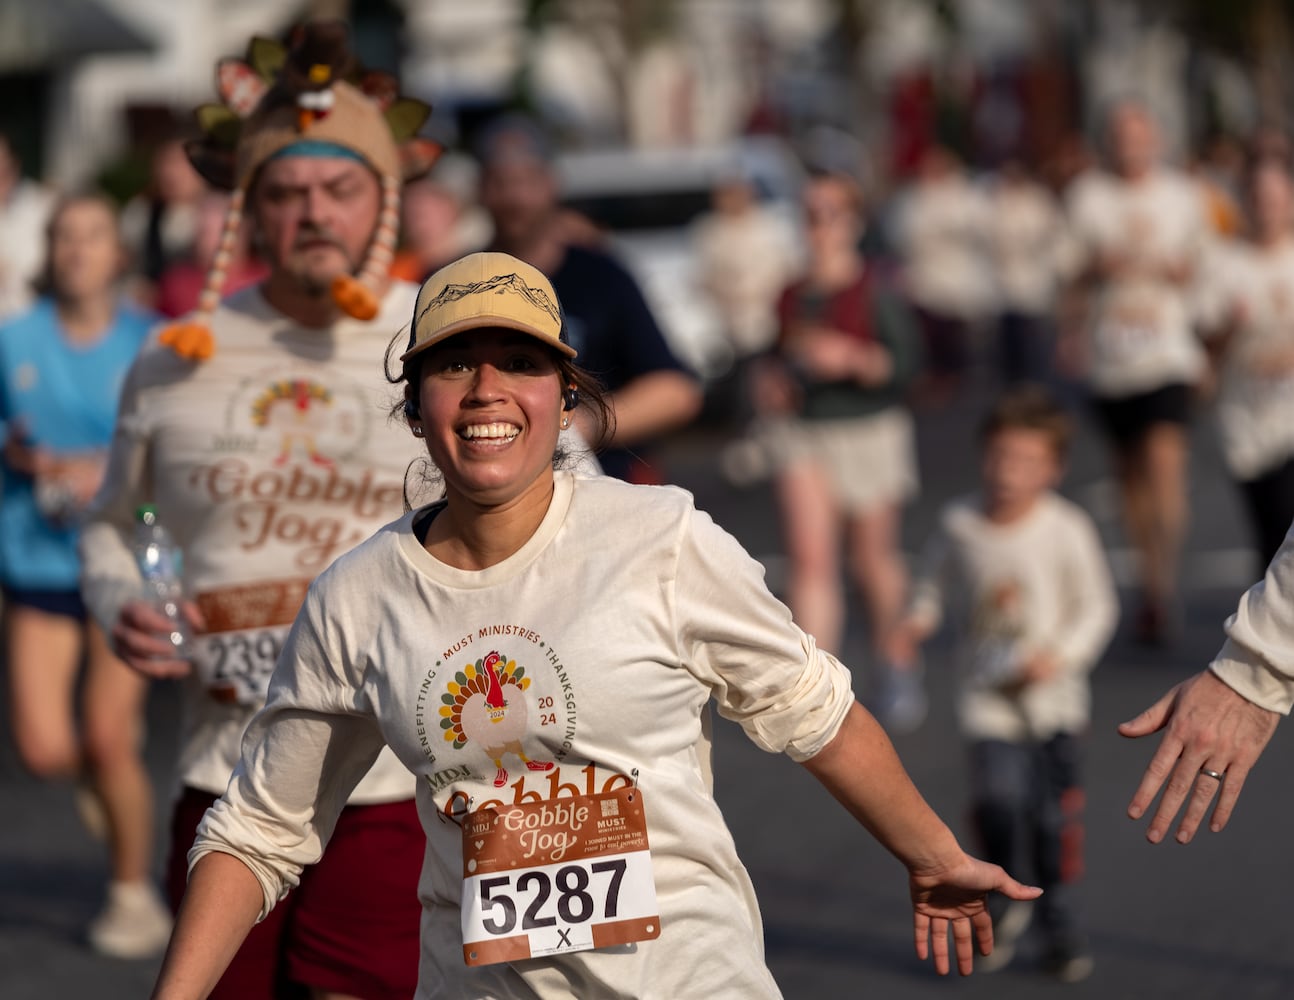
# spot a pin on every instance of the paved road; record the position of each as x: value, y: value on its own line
x: 1208, y: 921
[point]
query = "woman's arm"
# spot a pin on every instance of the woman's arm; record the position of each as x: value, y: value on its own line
x: 948, y: 887
x: 220, y: 907
x: 769, y: 676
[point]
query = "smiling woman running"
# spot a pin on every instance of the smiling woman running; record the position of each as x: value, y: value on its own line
x: 540, y: 649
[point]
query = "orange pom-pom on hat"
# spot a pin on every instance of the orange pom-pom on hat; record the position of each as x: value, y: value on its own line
x: 311, y: 92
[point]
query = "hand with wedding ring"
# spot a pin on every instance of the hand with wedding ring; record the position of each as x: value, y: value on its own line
x: 1212, y: 737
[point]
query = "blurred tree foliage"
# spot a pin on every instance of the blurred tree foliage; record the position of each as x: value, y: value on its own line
x: 1258, y: 32
x: 124, y: 177
x: 619, y: 31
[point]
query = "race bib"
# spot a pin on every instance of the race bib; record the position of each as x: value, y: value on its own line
x: 1130, y: 326
x: 1270, y: 392
x: 236, y: 666
x: 562, y: 875
x: 997, y: 660
x: 246, y: 629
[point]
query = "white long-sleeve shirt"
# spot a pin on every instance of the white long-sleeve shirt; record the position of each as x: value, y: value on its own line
x: 617, y: 640
x: 1038, y: 585
x: 1257, y: 659
x: 265, y: 462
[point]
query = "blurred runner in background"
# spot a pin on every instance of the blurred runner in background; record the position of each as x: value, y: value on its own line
x: 1140, y: 229
x: 942, y: 234
x: 62, y: 364
x: 842, y: 438
x: 1021, y: 573
x: 162, y: 223
x: 1251, y: 298
x: 24, y: 213
x: 1028, y: 241
x: 608, y: 320
x: 256, y: 428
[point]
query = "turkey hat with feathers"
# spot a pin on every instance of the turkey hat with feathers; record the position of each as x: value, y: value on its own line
x: 313, y: 92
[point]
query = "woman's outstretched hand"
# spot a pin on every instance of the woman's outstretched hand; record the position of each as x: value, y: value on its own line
x: 953, y: 898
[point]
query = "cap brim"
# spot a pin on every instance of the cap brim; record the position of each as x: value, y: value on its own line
x: 481, y: 322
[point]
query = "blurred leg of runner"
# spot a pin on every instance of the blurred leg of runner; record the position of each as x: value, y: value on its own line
x: 135, y: 921
x: 1270, y: 501
x: 810, y: 526
x: 881, y: 576
x: 45, y: 648
x: 1152, y: 481
x: 43, y: 652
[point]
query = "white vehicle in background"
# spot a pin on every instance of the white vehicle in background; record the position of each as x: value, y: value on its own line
x: 647, y: 200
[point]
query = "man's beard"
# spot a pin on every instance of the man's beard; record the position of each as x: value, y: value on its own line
x: 314, y: 279
x: 315, y: 287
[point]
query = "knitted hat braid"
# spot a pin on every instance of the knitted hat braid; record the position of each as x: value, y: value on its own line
x: 357, y: 296
x: 191, y: 338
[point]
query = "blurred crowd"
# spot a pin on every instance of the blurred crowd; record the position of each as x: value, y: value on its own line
x: 1143, y: 293
x: 1131, y: 291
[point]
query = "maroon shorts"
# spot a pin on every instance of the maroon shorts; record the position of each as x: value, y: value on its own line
x: 350, y: 927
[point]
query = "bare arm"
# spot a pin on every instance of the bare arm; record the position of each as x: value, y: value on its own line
x: 948, y: 887
x: 652, y: 404
x: 21, y: 455
x: 220, y: 906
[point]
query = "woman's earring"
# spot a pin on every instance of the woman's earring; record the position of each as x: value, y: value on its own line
x: 416, y: 430
x: 566, y: 422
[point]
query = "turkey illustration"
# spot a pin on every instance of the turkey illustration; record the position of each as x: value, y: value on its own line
x: 484, y: 705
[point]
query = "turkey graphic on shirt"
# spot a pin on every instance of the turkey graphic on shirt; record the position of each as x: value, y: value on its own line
x: 999, y: 610
x: 485, y: 705
x: 290, y: 406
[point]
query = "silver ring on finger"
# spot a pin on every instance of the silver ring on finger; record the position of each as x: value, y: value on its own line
x: 1215, y: 775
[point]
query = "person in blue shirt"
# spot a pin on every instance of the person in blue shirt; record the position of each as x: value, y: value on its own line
x: 62, y: 363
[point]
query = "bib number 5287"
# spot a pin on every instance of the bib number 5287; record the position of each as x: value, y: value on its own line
x: 557, y: 908
x: 567, y: 889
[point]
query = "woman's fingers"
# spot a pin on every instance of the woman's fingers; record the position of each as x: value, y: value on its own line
x: 931, y: 940
x: 963, y: 944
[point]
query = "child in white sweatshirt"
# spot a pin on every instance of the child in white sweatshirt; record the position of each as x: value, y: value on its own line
x: 1034, y: 610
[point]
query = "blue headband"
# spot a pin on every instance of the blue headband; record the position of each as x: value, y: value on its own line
x: 319, y: 148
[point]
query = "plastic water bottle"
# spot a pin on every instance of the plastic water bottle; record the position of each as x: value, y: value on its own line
x: 159, y: 561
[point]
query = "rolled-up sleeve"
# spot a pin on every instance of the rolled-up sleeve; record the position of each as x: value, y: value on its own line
x: 303, y: 754
x: 1257, y: 659
x: 765, y: 673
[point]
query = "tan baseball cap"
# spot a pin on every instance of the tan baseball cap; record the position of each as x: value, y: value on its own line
x: 486, y: 289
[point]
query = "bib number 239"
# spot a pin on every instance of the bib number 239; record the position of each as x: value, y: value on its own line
x: 236, y: 666
x: 567, y: 874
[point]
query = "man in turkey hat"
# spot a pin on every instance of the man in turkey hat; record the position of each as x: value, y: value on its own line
x: 255, y: 427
